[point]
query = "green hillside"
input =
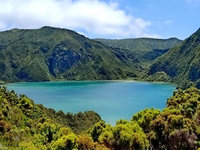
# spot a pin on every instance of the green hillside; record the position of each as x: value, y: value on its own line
x: 56, y: 54
x: 181, y: 64
x: 148, y: 48
x: 25, y: 125
x: 48, y: 54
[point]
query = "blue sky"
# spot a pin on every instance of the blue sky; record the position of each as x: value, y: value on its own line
x: 105, y: 18
x: 169, y: 18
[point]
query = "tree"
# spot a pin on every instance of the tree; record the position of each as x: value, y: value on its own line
x: 144, y: 118
x: 124, y: 136
x: 182, y: 139
x: 85, y: 142
x: 66, y: 142
x: 97, y: 130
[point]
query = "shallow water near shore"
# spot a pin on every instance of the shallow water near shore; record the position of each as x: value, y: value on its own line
x: 113, y: 100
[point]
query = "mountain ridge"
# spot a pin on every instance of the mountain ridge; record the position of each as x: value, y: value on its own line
x: 181, y: 63
x: 134, y: 42
x: 52, y: 53
x: 148, y: 49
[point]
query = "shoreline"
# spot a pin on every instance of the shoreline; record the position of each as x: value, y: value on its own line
x: 2, y: 83
x: 121, y: 80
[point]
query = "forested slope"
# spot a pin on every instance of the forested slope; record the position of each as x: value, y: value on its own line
x: 181, y: 63
x: 49, y: 53
x: 25, y: 125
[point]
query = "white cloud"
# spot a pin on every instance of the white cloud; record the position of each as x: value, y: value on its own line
x: 94, y: 16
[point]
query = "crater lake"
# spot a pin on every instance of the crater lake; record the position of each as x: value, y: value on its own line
x: 112, y: 100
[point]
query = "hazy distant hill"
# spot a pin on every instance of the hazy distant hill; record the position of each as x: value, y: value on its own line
x: 181, y: 63
x: 148, y: 48
x: 53, y: 53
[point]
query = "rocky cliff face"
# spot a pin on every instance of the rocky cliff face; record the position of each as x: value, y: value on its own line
x: 62, y: 60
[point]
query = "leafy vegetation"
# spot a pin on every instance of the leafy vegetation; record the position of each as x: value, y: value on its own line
x: 25, y: 125
x: 181, y: 64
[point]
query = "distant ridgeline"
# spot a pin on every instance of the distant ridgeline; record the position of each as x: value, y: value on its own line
x: 147, y: 49
x: 59, y: 54
x: 49, y: 53
x: 27, y: 126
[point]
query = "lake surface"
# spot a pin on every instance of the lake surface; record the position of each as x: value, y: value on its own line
x: 113, y: 100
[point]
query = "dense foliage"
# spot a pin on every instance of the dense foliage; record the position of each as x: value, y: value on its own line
x: 25, y: 125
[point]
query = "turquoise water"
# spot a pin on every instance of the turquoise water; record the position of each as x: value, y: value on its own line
x: 113, y: 100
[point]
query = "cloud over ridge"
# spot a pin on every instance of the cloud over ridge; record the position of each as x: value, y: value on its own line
x: 92, y: 16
